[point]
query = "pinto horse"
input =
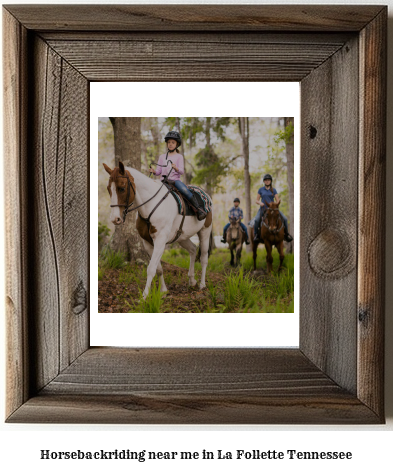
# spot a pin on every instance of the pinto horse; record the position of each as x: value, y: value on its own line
x: 158, y: 221
x: 235, y: 238
x: 271, y: 233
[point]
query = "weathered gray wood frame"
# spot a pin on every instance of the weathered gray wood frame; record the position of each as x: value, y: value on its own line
x: 338, y: 53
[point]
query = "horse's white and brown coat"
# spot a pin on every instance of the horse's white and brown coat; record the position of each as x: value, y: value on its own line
x: 165, y: 222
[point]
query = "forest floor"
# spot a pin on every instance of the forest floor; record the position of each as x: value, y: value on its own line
x: 228, y: 290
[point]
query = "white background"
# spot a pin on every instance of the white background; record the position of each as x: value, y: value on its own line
x: 371, y: 445
x: 203, y: 330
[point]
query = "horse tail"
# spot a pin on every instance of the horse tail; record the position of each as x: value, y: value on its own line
x: 210, y: 243
x: 209, y: 251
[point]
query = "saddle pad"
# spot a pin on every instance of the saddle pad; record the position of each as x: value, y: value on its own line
x: 202, y: 197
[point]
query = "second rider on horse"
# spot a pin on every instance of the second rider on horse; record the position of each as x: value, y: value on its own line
x: 237, y: 213
x: 266, y: 195
x: 171, y: 164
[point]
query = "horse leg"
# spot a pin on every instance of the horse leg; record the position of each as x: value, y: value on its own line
x: 158, y: 250
x: 238, y: 253
x: 232, y: 257
x: 254, y: 253
x: 149, y: 249
x: 204, y: 237
x: 191, y: 249
x: 269, y: 257
x: 280, y: 248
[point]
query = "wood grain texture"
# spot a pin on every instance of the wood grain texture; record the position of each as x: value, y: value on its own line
x: 371, y: 229
x: 335, y: 377
x: 195, y: 17
x: 59, y: 227
x: 329, y: 186
x: 193, y: 386
x: 14, y: 75
x: 214, y: 60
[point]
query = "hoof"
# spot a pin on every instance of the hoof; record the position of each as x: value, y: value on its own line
x: 192, y: 282
x: 201, y: 287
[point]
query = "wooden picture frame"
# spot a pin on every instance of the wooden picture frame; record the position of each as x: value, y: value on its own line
x: 338, y: 54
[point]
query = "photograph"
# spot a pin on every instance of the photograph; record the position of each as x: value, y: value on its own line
x: 212, y: 230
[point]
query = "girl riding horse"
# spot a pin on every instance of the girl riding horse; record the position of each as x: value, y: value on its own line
x: 173, y: 141
x: 266, y: 195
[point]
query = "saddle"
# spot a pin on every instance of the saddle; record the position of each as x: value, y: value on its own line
x: 202, y: 198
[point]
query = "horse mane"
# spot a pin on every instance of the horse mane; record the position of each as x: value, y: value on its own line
x: 116, y: 174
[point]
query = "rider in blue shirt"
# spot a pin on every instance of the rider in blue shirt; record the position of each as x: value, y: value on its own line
x: 266, y: 195
x: 236, y: 212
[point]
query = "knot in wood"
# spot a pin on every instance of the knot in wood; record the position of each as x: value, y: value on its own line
x: 80, y: 299
x: 331, y: 254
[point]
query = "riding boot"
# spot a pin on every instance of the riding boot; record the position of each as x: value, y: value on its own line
x: 201, y: 214
x: 288, y: 237
x: 257, y: 236
x: 224, y: 240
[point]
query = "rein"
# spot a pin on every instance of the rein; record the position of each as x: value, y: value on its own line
x: 127, y: 206
x: 147, y: 220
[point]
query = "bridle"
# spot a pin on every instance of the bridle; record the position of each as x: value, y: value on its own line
x: 276, y: 231
x: 130, y: 186
x: 128, y: 204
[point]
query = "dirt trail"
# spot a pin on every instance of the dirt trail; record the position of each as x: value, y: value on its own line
x: 113, y: 295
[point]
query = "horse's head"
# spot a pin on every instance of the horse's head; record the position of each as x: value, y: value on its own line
x: 121, y: 189
x: 272, y: 217
x: 234, y: 222
x: 234, y: 228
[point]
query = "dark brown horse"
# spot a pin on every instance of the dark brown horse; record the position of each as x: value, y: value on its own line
x: 271, y: 233
x: 235, y: 238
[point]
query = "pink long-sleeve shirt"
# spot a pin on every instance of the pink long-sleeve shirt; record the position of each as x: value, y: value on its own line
x: 163, y: 170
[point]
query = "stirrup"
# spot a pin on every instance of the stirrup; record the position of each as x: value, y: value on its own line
x: 288, y: 238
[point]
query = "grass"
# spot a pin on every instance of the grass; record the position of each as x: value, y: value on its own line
x: 219, y: 260
x: 241, y: 292
x: 152, y: 304
x: 111, y: 259
x: 235, y: 290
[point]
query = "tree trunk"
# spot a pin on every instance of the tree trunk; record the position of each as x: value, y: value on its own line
x: 289, y: 145
x: 209, y: 187
x: 127, y: 138
x: 244, y: 128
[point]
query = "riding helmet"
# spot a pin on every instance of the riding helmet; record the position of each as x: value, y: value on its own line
x: 236, y: 200
x: 268, y: 176
x: 173, y: 135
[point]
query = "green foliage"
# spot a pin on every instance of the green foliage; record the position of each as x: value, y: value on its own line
x: 100, y: 274
x: 133, y: 274
x: 240, y: 292
x: 152, y: 303
x: 211, y: 168
x: 103, y: 231
x: 111, y: 259
x: 285, y: 135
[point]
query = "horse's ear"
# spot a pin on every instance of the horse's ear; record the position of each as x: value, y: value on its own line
x: 121, y: 166
x: 107, y: 169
